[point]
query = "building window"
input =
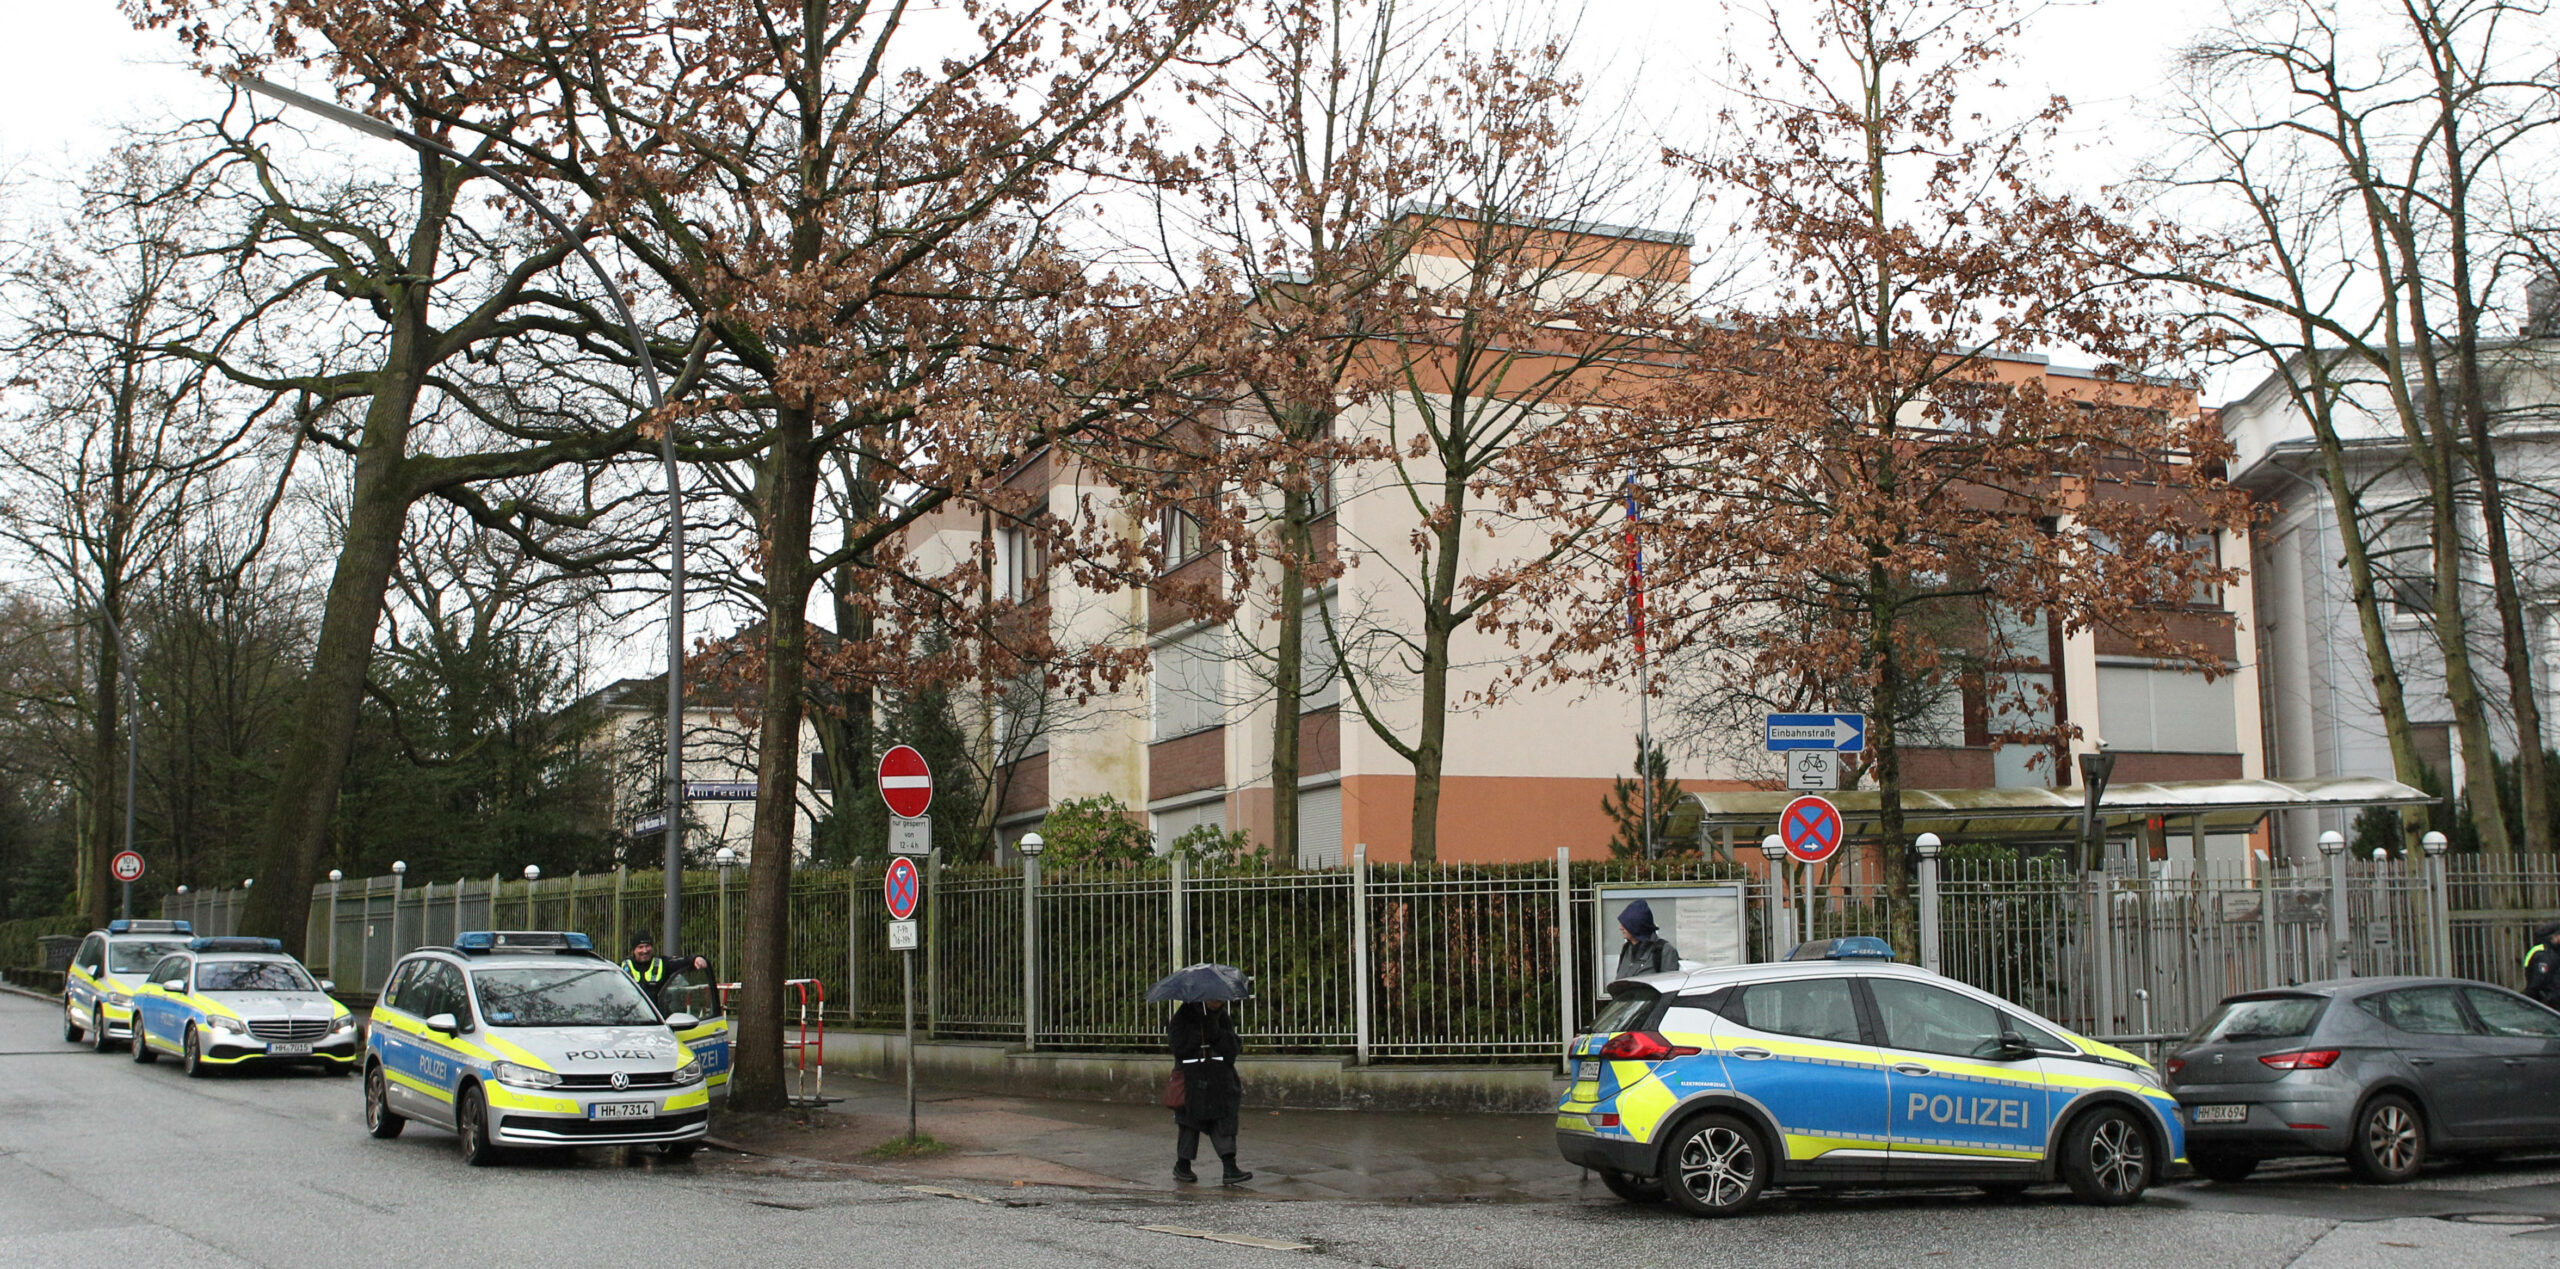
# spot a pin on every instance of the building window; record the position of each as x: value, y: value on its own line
x: 1181, y: 537
x: 1188, y: 681
x: 1170, y: 825
x: 1024, y: 568
x: 2151, y: 709
x: 1319, y: 683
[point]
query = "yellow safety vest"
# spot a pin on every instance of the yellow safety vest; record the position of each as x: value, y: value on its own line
x: 657, y: 970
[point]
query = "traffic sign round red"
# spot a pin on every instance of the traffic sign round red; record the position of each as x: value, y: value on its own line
x: 1810, y: 827
x: 906, y: 784
x: 127, y: 866
x: 902, y: 888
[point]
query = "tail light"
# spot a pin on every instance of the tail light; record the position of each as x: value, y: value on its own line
x: 1642, y: 1046
x: 2176, y: 1065
x: 2302, y: 1060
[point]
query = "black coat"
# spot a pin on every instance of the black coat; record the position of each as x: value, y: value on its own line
x: 1204, y: 1047
x: 2542, y: 975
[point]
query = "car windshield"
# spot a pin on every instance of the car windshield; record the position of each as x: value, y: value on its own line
x: 2264, y: 1018
x: 1625, y: 1007
x: 138, y: 955
x: 252, y: 976
x: 563, y: 996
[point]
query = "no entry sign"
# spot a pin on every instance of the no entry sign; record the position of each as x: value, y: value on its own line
x: 906, y: 784
x: 127, y: 866
x: 1810, y: 827
x: 901, y: 888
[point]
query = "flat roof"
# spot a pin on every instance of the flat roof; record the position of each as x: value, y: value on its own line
x: 2226, y: 806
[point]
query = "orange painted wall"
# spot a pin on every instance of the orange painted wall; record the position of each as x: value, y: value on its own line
x: 1486, y: 819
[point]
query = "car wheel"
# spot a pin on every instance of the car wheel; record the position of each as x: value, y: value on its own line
x: 2106, y: 1157
x: 196, y: 1069
x: 71, y: 1031
x: 2389, y: 1141
x: 1716, y: 1166
x: 2221, y: 1167
x: 98, y: 1028
x: 142, y: 1054
x: 379, y: 1119
x: 471, y: 1123
x: 1633, y: 1188
x: 678, y: 1151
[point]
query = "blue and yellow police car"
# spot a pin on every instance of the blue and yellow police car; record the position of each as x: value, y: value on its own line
x: 233, y: 1002
x: 97, y: 991
x: 1708, y: 1087
x: 528, y: 1039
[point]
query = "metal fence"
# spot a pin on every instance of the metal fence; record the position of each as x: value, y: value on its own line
x: 1487, y: 962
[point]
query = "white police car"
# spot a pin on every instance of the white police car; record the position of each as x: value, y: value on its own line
x: 1839, y: 1067
x: 97, y: 991
x: 227, y: 1002
x: 528, y: 1039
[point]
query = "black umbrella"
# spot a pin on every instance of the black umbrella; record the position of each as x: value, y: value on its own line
x: 1204, y: 982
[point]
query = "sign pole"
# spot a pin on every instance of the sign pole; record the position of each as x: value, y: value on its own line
x: 907, y: 970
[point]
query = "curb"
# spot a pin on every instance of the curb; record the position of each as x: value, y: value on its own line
x: 16, y: 990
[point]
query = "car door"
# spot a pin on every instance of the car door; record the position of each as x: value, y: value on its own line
x: 154, y: 1010
x: 1798, y: 1049
x: 2460, y: 1074
x: 394, y: 1025
x: 2527, y: 1037
x: 1957, y: 1107
x: 81, y: 984
x: 441, y: 1058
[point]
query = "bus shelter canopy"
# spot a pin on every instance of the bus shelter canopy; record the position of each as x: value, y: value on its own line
x: 2223, y: 806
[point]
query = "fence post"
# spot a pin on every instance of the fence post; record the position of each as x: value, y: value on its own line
x: 621, y: 878
x: 932, y: 944
x: 1564, y: 950
x: 2103, y: 937
x: 2333, y: 845
x: 1030, y: 950
x: 1927, y: 844
x: 2439, y: 909
x: 1360, y: 951
x: 364, y: 941
x: 2267, y: 917
x: 335, y: 968
x: 852, y: 942
x: 1178, y: 913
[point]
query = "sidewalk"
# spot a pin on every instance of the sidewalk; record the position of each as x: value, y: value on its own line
x: 1313, y: 1154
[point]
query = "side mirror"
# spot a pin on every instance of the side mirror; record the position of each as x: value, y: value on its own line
x: 328, y: 984
x: 444, y: 1022
x: 682, y: 1022
x: 174, y: 984
x: 2014, y: 1049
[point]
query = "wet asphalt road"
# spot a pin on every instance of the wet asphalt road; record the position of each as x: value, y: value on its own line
x: 108, y: 1164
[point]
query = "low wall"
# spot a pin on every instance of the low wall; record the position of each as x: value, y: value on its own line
x: 1277, y: 1082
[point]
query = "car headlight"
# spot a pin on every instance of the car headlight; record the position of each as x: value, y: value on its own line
x: 690, y: 1072
x: 346, y: 1022
x: 120, y: 1000
x: 232, y: 1025
x: 518, y: 1075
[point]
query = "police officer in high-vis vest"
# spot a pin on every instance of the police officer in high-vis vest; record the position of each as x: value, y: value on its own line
x: 2542, y: 966
x: 654, y: 972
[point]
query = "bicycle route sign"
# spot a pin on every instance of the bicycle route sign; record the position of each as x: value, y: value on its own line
x: 902, y: 888
x: 1811, y: 829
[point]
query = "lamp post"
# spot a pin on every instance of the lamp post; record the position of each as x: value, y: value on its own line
x: 2439, y: 907
x: 638, y: 339
x: 2333, y: 845
x: 532, y: 874
x: 1774, y: 849
x: 1928, y: 846
x: 2096, y: 767
x: 1030, y: 847
x: 335, y: 877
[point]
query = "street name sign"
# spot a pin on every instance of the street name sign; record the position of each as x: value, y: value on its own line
x: 902, y: 888
x: 906, y: 784
x: 1813, y: 769
x: 653, y: 822
x: 1810, y: 827
x: 127, y: 866
x: 720, y: 791
x: 1839, y: 733
x: 911, y: 836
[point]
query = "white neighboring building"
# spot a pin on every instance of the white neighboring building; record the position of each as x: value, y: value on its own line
x: 719, y: 747
x: 2321, y: 715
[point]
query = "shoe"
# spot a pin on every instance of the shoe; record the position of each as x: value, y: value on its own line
x: 1233, y: 1174
x: 1182, y: 1171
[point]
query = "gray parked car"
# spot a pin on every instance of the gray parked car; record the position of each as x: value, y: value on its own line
x: 2384, y: 1071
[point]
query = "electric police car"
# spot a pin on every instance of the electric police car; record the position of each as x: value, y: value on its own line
x: 97, y: 991
x: 227, y: 1002
x: 530, y: 1039
x: 1830, y: 1068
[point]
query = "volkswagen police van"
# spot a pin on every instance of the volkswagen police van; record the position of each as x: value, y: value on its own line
x: 1709, y: 1087
x: 530, y: 1040
x: 232, y: 1002
x: 97, y: 991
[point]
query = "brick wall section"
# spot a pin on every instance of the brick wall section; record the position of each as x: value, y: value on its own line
x: 2132, y: 767
x: 2213, y: 630
x: 1029, y: 790
x: 1319, y: 742
x: 1187, y: 764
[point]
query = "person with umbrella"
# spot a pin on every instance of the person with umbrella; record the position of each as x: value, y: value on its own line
x: 2542, y: 966
x: 1205, y: 1094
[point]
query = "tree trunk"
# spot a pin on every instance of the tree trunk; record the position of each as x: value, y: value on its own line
x: 2381, y: 668
x: 789, y: 500
x: 1288, y: 674
x: 106, y: 775
x: 1431, y: 744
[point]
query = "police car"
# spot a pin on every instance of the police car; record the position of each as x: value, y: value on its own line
x: 227, y: 1002
x: 97, y: 991
x: 1840, y: 1067
x: 528, y: 1039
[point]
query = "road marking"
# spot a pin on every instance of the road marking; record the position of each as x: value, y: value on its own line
x: 1240, y: 1240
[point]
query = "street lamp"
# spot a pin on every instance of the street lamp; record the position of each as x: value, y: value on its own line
x: 2096, y: 767
x: 1030, y: 847
x: 673, y: 907
x: 1774, y: 849
x: 2333, y: 844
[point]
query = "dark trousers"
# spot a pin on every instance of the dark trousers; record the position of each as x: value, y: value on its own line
x: 1222, y: 1137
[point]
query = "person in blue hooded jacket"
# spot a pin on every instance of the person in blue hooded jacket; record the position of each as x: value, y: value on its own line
x: 1646, y: 952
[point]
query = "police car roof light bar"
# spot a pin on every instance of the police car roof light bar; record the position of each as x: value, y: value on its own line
x: 1853, y: 947
x: 523, y: 941
x: 234, y: 943
x: 122, y: 926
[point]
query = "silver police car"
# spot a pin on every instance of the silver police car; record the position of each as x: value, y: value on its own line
x: 529, y: 1040
x: 226, y: 1001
